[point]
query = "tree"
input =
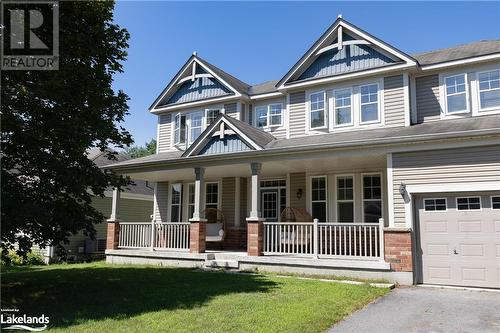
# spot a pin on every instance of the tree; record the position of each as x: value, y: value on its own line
x: 149, y: 148
x: 49, y: 121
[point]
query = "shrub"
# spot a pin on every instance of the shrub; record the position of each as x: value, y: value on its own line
x: 14, y: 259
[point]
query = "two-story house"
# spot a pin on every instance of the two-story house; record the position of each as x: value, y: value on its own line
x: 361, y: 160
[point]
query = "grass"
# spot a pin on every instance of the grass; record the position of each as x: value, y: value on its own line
x: 116, y: 298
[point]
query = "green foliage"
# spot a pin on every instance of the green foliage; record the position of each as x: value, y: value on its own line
x: 14, y: 259
x: 130, y: 298
x: 49, y: 121
x: 149, y: 148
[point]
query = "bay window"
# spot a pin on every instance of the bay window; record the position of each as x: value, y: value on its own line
x: 369, y: 103
x: 317, y: 110
x: 456, y: 94
x: 179, y: 129
x: 372, y: 198
x: 195, y: 125
x: 318, y: 198
x: 342, y: 107
x: 489, y: 89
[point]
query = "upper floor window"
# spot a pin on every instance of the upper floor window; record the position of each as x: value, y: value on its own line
x: 456, y: 94
x: 269, y: 115
x: 489, y: 89
x: 369, y: 103
x: 212, y: 114
x: 179, y: 129
x: 317, y: 112
x: 196, y: 125
x: 342, y: 107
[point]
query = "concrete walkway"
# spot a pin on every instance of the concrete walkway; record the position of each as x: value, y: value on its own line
x: 420, y: 309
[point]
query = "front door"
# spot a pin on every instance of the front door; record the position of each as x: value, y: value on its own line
x: 269, y: 204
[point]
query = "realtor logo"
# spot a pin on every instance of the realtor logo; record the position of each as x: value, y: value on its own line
x: 30, y: 35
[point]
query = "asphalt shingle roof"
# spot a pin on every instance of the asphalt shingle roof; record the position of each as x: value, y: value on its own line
x: 458, y: 52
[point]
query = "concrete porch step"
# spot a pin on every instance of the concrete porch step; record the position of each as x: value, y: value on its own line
x: 222, y: 264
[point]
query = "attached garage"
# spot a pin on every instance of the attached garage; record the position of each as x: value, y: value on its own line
x: 457, y: 238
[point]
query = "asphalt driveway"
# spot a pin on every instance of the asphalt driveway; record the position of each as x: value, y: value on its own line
x: 419, y: 309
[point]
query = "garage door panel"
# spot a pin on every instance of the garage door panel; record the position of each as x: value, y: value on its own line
x: 460, y: 247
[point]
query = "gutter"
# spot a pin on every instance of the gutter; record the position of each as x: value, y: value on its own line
x: 366, y: 143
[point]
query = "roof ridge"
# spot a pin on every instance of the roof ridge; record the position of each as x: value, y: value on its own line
x: 223, y: 71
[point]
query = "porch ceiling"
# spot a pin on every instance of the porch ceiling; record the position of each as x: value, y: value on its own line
x: 273, y: 168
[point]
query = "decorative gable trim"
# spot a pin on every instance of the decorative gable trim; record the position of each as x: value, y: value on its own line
x: 194, y: 68
x: 219, y: 128
x: 334, y: 35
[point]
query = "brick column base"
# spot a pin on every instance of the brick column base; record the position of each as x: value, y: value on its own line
x: 197, y: 236
x: 112, y: 235
x: 255, y: 237
x: 398, y: 249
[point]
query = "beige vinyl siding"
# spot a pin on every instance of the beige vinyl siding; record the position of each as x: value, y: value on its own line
x: 427, y: 98
x: 231, y: 110
x: 228, y: 199
x: 129, y: 210
x: 478, y: 164
x: 394, y: 101
x: 277, y: 132
x: 297, y: 114
x: 164, y: 132
x: 243, y: 201
x: 161, y: 202
x: 297, y: 181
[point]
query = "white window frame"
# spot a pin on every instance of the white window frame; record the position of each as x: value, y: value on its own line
x: 435, y: 211
x: 444, y: 94
x: 334, y: 108
x: 268, y: 115
x: 491, y: 201
x: 379, y: 105
x: 206, y: 124
x: 363, y: 195
x: 311, y: 201
x: 354, y: 192
x: 189, y: 123
x: 468, y: 210
x: 258, y: 108
x: 179, y: 115
x: 189, y: 204
x: 170, y: 202
x: 325, y: 111
x: 218, y: 194
x: 479, y: 109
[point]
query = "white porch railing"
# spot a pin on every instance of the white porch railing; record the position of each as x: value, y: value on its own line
x: 172, y: 236
x: 165, y: 236
x: 346, y: 240
x: 134, y: 235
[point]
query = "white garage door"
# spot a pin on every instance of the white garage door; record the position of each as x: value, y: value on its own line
x: 460, y: 239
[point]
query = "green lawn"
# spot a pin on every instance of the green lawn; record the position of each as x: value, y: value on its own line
x: 110, y: 298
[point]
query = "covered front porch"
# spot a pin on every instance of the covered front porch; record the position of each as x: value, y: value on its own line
x: 321, y: 214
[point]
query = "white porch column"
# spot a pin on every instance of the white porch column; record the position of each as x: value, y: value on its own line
x: 115, y: 205
x: 255, y: 183
x: 199, y: 193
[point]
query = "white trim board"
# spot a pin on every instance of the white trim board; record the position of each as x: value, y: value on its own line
x: 133, y: 196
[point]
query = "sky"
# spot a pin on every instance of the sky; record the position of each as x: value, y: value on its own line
x: 261, y: 41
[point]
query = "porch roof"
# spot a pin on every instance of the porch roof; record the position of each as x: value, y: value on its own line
x: 432, y: 131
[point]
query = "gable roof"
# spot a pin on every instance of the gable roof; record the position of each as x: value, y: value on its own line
x: 328, y: 38
x: 464, y: 51
x: 190, y: 70
x: 253, y: 137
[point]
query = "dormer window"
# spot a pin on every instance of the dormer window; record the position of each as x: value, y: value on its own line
x: 179, y: 129
x: 369, y: 103
x: 456, y: 94
x: 317, y: 112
